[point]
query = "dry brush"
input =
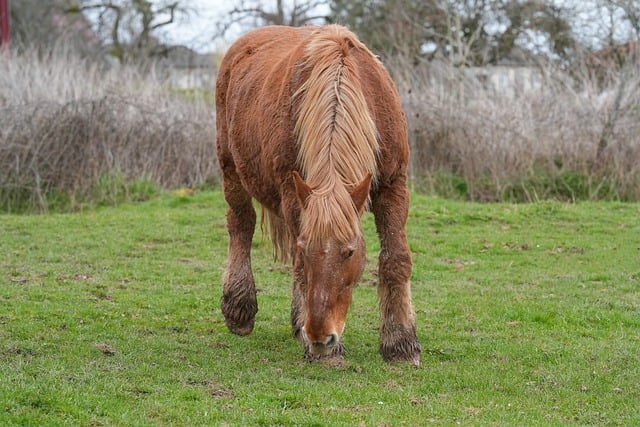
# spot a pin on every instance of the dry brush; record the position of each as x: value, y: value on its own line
x: 67, y: 127
x: 81, y: 132
x: 567, y: 138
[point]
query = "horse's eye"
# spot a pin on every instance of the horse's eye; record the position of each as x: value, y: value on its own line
x: 348, y: 254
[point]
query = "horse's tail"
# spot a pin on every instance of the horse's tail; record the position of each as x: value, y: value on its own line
x: 337, y: 137
x: 279, y: 234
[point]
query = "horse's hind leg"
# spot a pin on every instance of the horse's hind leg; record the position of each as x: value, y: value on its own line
x: 398, y: 340
x: 239, y: 303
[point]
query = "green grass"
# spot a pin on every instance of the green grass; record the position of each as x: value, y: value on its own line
x: 527, y: 314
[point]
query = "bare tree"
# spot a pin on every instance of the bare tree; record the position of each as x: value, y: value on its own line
x: 487, y: 30
x: 128, y: 26
x: 255, y: 13
x: 630, y: 13
x: 391, y: 27
x: 44, y: 25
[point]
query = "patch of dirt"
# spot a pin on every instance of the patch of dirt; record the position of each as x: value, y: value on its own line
x: 106, y: 349
x: 218, y: 391
x: 335, y: 362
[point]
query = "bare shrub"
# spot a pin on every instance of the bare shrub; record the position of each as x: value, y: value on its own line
x: 69, y: 127
x: 479, y: 143
x: 65, y: 124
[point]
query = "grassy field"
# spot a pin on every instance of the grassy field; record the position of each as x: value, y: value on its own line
x: 527, y: 314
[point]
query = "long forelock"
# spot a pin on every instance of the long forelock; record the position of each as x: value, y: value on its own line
x: 335, y: 131
x: 337, y: 137
x: 331, y: 215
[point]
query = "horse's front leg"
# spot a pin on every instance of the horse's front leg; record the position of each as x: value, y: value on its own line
x: 297, y: 300
x: 398, y: 339
x: 239, y: 303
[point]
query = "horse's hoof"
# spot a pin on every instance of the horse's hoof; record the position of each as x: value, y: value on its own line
x: 239, y: 328
x: 402, y: 351
x: 239, y: 318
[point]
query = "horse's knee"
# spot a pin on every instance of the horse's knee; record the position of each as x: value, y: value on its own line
x: 394, y: 268
x: 241, y: 220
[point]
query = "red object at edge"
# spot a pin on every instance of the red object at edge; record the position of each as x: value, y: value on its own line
x: 4, y: 24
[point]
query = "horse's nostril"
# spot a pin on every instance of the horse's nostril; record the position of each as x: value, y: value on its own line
x: 331, y: 340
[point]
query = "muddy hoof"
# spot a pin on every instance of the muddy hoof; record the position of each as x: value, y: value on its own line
x: 402, y: 351
x: 239, y: 317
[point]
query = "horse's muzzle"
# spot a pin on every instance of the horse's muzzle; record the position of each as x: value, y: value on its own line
x: 321, y: 346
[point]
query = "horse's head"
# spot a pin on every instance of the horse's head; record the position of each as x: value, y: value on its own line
x: 332, y: 249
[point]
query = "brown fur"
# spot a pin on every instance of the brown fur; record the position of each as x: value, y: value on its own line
x: 315, y: 100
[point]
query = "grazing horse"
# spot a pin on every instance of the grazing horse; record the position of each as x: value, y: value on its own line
x: 310, y: 125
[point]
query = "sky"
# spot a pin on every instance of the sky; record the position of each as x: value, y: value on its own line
x: 197, y: 29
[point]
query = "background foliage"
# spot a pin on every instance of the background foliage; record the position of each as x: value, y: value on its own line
x: 75, y: 124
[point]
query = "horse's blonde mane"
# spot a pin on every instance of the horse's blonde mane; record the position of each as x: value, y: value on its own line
x: 337, y: 137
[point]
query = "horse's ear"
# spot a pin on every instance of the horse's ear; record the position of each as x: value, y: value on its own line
x: 360, y: 194
x: 303, y: 191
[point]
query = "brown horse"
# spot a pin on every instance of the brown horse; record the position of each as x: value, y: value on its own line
x: 310, y: 125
